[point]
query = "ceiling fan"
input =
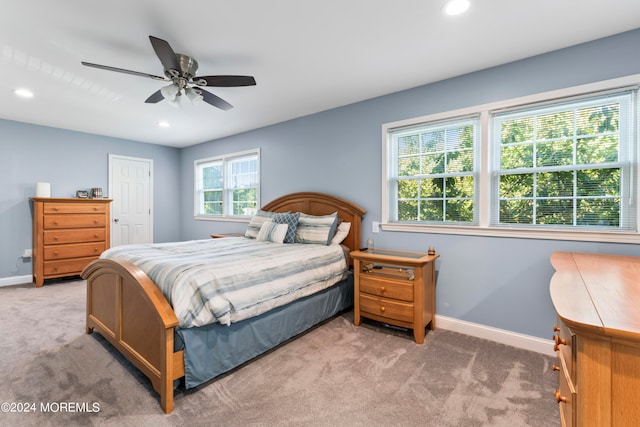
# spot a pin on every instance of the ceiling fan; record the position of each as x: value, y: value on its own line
x: 180, y: 70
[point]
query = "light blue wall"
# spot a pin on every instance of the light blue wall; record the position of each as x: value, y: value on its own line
x: 498, y: 282
x: 70, y: 161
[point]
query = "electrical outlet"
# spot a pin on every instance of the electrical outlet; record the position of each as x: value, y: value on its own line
x: 27, y: 253
x: 375, y: 227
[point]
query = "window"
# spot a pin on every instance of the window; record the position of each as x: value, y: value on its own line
x: 433, y: 172
x: 565, y: 165
x: 228, y: 186
x: 560, y: 165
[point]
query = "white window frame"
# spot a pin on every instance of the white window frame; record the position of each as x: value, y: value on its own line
x: 226, y: 206
x: 484, y: 227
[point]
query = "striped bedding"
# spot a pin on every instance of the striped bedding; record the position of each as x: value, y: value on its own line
x: 232, y: 279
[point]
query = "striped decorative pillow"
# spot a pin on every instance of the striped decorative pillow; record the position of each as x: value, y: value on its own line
x: 316, y: 229
x: 272, y: 232
x: 256, y: 222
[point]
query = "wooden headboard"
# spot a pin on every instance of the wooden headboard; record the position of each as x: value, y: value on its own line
x: 323, y: 204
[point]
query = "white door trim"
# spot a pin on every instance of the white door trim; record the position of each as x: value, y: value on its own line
x: 113, y: 157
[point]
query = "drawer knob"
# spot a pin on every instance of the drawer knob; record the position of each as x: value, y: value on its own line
x: 383, y: 308
x: 555, y: 367
x: 558, y: 342
x: 556, y: 329
x: 55, y: 237
x: 55, y: 252
x: 559, y: 397
x: 382, y: 289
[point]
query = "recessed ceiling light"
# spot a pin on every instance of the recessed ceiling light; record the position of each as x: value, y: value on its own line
x: 163, y: 124
x: 23, y: 93
x: 455, y: 7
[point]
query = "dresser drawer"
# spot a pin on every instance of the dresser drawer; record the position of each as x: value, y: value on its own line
x: 73, y: 250
x: 52, y: 222
x: 566, y: 394
x: 386, y: 308
x: 401, y: 290
x: 55, y: 237
x: 71, y: 208
x: 66, y: 267
x: 565, y: 342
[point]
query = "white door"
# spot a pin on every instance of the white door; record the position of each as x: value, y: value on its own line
x: 130, y: 187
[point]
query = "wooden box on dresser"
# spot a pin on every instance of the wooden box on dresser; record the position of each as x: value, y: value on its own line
x: 597, y: 339
x: 68, y: 234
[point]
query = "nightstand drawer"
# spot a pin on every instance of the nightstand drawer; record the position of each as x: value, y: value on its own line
x: 386, y: 308
x: 401, y: 290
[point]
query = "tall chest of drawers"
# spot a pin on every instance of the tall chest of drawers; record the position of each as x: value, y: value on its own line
x: 597, y: 338
x: 68, y: 234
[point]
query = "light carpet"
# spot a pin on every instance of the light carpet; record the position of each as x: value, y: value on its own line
x: 334, y: 375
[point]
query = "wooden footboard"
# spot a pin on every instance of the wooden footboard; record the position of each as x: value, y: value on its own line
x: 129, y: 310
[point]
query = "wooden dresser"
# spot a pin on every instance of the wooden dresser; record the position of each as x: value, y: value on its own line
x: 67, y: 235
x: 395, y: 287
x: 597, y: 339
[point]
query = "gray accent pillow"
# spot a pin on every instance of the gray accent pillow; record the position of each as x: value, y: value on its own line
x: 291, y: 219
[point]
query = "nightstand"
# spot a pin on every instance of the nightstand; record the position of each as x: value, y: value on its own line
x: 395, y: 287
x: 220, y: 236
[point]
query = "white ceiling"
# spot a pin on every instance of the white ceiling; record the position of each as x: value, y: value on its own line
x: 306, y: 56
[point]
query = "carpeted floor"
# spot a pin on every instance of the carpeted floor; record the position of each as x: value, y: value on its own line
x: 334, y: 375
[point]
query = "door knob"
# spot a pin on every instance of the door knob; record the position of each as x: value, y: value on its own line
x: 116, y: 219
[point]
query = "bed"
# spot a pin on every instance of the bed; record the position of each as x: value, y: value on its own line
x: 131, y: 312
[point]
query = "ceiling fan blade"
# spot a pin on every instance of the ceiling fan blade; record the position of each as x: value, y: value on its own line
x: 155, y: 97
x: 122, y: 70
x: 214, y: 100
x: 165, y: 53
x: 226, y: 81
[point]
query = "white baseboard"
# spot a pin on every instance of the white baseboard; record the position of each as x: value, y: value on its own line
x: 514, y: 339
x: 15, y: 280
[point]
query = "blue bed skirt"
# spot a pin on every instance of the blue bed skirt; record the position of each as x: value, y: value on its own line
x: 215, y: 349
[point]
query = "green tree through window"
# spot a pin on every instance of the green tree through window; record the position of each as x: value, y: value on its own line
x: 435, y: 166
x: 560, y: 165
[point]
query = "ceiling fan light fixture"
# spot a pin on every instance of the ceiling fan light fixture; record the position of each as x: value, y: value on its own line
x: 194, y: 95
x: 175, y: 103
x: 170, y: 92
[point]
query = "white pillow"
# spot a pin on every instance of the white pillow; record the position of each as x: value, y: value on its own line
x: 272, y: 232
x: 341, y: 233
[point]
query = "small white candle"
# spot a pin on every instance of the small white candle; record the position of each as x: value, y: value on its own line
x: 43, y: 189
